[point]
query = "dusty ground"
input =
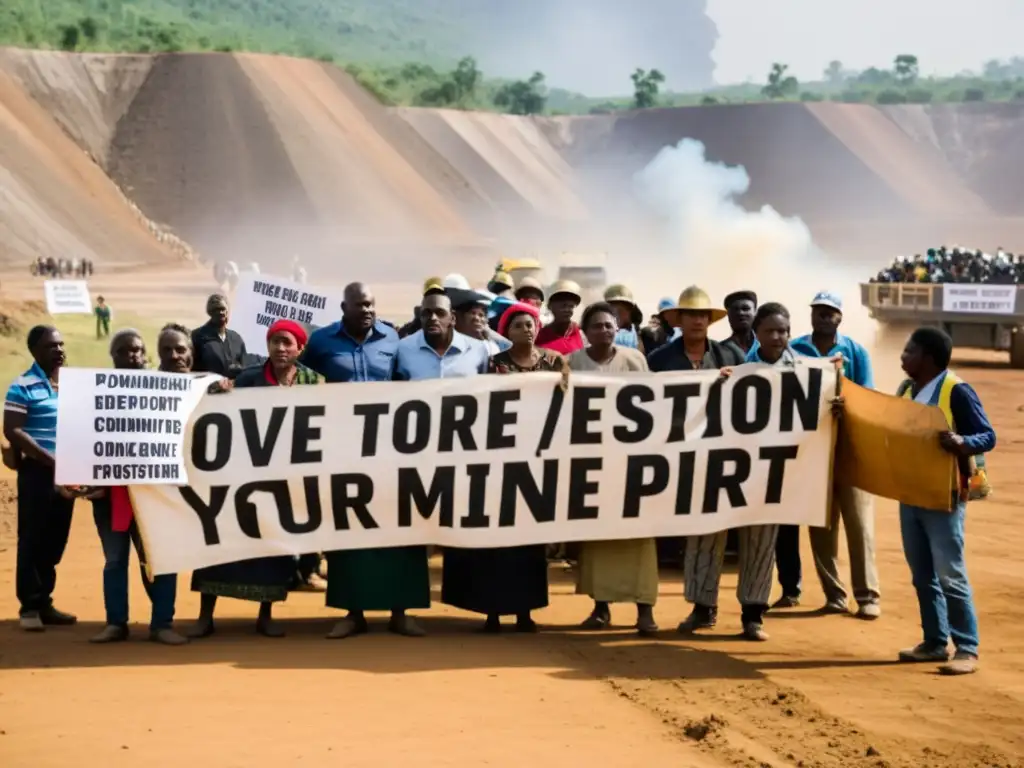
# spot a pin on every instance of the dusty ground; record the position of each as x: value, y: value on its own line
x: 823, y: 692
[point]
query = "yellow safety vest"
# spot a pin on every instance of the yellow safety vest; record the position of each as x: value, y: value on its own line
x: 978, y: 485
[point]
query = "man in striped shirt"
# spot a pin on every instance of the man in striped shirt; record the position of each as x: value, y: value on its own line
x: 44, y: 514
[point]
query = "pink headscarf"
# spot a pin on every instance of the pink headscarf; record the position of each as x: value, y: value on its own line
x: 520, y: 307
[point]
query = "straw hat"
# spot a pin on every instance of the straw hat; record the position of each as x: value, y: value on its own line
x: 570, y: 287
x: 530, y: 284
x: 619, y: 293
x: 694, y: 299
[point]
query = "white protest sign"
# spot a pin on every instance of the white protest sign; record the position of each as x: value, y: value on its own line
x: 979, y: 298
x: 124, y: 426
x: 67, y: 297
x: 260, y: 300
x: 491, y: 461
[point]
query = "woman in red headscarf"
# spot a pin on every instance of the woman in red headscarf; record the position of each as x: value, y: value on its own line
x: 504, y: 581
x: 264, y: 579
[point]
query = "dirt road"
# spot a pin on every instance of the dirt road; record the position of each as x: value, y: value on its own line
x: 824, y: 691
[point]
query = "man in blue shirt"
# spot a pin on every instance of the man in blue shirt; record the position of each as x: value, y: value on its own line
x: 850, y: 505
x: 44, y: 514
x: 361, y: 348
x: 933, y: 540
x: 438, y: 351
x: 357, y: 348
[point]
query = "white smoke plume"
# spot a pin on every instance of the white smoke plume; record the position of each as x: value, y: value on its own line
x: 719, y: 245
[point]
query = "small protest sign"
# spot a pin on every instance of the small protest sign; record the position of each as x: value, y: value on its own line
x: 260, y: 300
x: 67, y: 297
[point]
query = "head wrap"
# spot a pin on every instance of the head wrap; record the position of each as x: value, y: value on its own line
x: 289, y: 326
x: 520, y: 307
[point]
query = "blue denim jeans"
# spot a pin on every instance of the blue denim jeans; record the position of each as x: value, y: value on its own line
x: 933, y: 543
x: 117, y: 554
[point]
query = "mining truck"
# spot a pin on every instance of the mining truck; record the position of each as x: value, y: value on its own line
x: 975, y: 315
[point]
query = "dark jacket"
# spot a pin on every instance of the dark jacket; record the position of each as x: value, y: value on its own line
x: 672, y: 356
x: 211, y: 355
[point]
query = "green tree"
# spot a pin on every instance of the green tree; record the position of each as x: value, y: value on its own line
x: 466, y: 77
x: 905, y: 67
x: 645, y: 87
x: 69, y: 37
x: 90, y: 28
x: 834, y: 73
x: 780, y: 85
x: 523, y: 97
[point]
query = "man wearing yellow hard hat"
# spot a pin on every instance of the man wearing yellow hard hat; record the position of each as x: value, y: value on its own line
x: 630, y: 317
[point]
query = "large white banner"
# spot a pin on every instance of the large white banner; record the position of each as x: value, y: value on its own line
x: 979, y: 298
x: 116, y: 427
x: 67, y: 297
x: 494, y: 461
x: 260, y: 300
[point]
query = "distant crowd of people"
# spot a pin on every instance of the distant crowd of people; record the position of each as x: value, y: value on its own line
x: 955, y: 265
x: 51, y: 267
x: 513, y: 329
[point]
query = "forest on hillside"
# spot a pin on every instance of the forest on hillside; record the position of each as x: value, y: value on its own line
x: 421, y: 52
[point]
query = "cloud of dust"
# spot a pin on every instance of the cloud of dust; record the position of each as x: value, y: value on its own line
x: 723, y: 247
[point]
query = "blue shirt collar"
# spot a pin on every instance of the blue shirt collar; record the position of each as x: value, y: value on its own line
x: 376, y: 332
x: 460, y: 343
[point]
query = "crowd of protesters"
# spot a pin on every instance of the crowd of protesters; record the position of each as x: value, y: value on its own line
x: 504, y: 330
x: 955, y: 265
x: 61, y: 268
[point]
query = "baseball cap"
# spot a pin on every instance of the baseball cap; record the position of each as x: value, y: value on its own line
x: 827, y: 299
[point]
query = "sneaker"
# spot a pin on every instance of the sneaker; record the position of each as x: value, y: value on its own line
x: 167, y: 637
x: 786, y: 601
x: 754, y: 630
x: 962, y: 664
x: 54, y: 618
x: 923, y: 653
x: 112, y: 633
x: 30, y: 622
x: 869, y: 611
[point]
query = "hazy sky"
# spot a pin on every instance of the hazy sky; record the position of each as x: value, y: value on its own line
x: 948, y: 36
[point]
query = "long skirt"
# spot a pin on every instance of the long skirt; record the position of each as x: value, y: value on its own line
x: 389, y: 579
x: 262, y: 579
x: 502, y: 581
x: 619, y: 571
